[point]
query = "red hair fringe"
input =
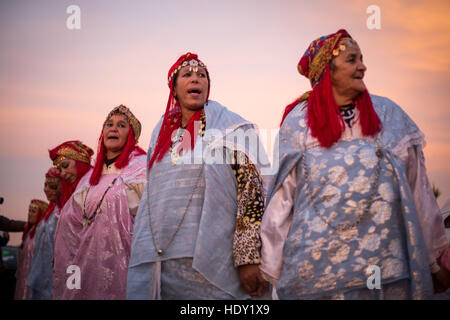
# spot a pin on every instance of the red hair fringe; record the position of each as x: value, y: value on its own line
x: 122, y: 160
x: 67, y: 187
x: 32, y: 228
x: 324, y: 117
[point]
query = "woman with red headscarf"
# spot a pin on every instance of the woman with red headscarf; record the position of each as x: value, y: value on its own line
x: 35, y: 215
x: 197, y: 229
x: 40, y: 277
x: 350, y: 213
x: 95, y: 227
x: 73, y: 159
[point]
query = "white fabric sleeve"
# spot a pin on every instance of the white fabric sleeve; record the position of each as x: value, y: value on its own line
x: 80, y: 198
x: 134, y: 193
x: 275, y: 226
x: 430, y: 217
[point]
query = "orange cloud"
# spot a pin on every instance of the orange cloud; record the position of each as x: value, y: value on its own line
x: 420, y: 31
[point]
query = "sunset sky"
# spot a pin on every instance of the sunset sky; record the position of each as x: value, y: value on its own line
x: 58, y: 84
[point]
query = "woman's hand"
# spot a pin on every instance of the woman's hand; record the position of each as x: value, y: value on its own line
x: 252, y: 280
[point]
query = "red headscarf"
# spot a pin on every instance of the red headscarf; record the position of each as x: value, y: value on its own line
x: 130, y: 146
x: 77, y: 151
x: 31, y: 228
x: 52, y: 173
x: 323, y: 114
x: 172, y: 117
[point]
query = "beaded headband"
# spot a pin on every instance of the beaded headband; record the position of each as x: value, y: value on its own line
x: 39, y: 204
x: 343, y: 45
x: 52, y: 179
x: 53, y: 175
x: 320, y: 53
x: 68, y: 153
x: 193, y: 66
x: 73, y: 150
x: 132, y: 120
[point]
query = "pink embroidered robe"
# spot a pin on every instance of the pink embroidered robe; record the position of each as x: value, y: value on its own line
x: 91, y: 261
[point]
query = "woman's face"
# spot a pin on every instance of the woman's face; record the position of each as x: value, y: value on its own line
x: 33, y: 212
x: 52, y: 189
x: 347, y: 72
x: 68, y: 170
x: 115, y: 133
x: 191, y: 88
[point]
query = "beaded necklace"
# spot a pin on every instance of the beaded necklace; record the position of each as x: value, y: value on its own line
x: 88, y: 220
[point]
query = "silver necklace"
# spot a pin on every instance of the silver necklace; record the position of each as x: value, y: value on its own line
x: 159, y: 250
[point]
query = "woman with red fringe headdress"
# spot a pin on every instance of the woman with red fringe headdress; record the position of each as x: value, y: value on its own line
x: 351, y: 193
x: 40, y: 277
x: 73, y: 159
x: 197, y: 228
x: 96, y: 224
x: 35, y: 215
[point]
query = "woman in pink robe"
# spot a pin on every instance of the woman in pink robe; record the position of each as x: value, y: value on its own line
x: 93, y: 238
x: 35, y: 215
